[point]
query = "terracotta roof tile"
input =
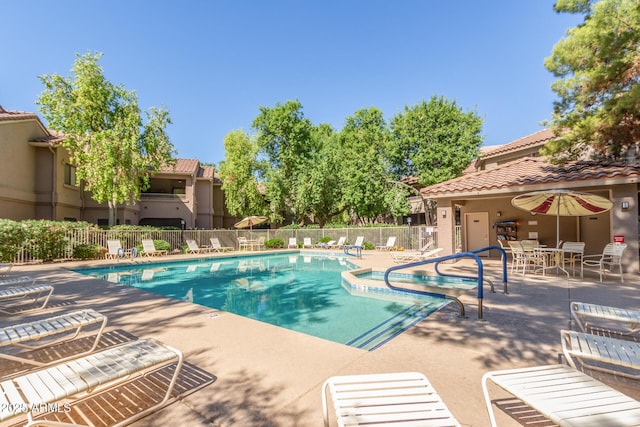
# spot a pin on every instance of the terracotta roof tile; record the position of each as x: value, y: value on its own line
x: 182, y: 167
x: 529, y: 171
x: 16, y: 115
x: 537, y: 138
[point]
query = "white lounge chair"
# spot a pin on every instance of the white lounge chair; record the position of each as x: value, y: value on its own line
x: 609, y: 317
x: 217, y: 247
x: 306, y: 242
x: 38, y: 334
x: 391, y: 244
x: 36, y: 391
x: 340, y: 243
x: 293, y: 243
x: 565, y: 395
x: 611, y: 257
x: 194, y: 248
x: 115, y: 250
x: 405, y: 398
x: 149, y: 248
x: 407, y: 256
x: 13, y: 297
x: 615, y: 356
x: 15, y: 281
x: 5, y: 268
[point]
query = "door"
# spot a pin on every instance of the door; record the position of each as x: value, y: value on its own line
x: 477, y: 231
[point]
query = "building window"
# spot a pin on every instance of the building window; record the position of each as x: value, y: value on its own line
x: 70, y: 175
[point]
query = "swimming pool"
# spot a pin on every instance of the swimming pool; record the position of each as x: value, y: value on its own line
x: 300, y: 292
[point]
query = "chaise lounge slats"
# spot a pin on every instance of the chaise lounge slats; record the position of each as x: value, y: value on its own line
x: 26, y: 335
x: 400, y: 399
x: 87, y: 374
x: 21, y: 280
x: 620, y: 356
x: 566, y: 396
x: 11, y: 298
x: 583, y: 312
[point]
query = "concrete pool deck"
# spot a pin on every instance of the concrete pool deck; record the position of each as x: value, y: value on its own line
x: 268, y: 376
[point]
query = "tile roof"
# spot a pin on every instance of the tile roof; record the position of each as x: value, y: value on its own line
x: 182, y: 167
x: 16, y: 115
x: 537, y: 138
x: 528, y: 171
x: 206, y: 172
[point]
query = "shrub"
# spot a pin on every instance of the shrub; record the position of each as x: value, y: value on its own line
x: 276, y: 243
x: 84, y: 251
x: 325, y: 239
x: 368, y: 246
x: 12, y: 236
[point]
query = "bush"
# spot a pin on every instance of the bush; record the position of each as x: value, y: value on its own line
x: 276, y: 243
x: 84, y: 251
x: 12, y: 236
x: 368, y: 246
x: 325, y: 240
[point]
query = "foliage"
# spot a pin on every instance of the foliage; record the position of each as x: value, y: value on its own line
x: 433, y: 141
x: 368, y: 246
x: 325, y: 239
x: 276, y: 243
x: 362, y: 174
x: 598, y: 66
x: 240, y: 186
x: 285, y: 142
x: 101, y: 124
x: 12, y: 236
x: 86, y: 251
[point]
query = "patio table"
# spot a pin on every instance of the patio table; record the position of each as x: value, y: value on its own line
x: 553, y: 258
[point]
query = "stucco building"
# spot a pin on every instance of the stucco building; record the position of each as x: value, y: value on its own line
x: 39, y: 182
x: 481, y: 199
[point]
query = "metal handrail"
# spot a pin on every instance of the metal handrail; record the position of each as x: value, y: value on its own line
x: 488, y: 248
x: 480, y: 277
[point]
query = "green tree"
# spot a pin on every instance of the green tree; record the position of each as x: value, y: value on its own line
x: 284, y: 137
x: 238, y: 174
x: 319, y: 190
x: 114, y: 151
x: 598, y: 66
x: 433, y: 141
x: 363, y: 175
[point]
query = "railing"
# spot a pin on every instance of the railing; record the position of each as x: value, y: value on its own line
x: 479, y: 278
x: 413, y: 237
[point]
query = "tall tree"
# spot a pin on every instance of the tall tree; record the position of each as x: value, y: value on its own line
x: 284, y: 137
x: 598, y: 66
x: 238, y: 174
x: 115, y: 152
x: 363, y: 175
x: 433, y: 141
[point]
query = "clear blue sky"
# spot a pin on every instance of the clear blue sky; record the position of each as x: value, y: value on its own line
x: 212, y: 64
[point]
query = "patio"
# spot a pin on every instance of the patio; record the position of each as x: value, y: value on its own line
x: 249, y: 373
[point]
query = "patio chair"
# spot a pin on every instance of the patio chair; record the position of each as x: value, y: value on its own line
x: 38, y: 334
x: 391, y: 244
x: 293, y: 243
x: 400, y: 257
x: 611, y: 257
x: 13, y: 297
x: 193, y: 248
x: 404, y: 398
x: 602, y: 353
x: 35, y: 392
x: 259, y: 244
x: 607, y: 318
x: 149, y: 248
x: 325, y: 245
x: 339, y: 244
x: 357, y: 245
x: 306, y: 242
x: 115, y: 250
x: 217, y: 247
x: 522, y: 258
x: 574, y: 254
x: 565, y: 395
x: 243, y: 243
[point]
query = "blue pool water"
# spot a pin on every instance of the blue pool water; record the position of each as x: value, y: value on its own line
x: 298, y: 292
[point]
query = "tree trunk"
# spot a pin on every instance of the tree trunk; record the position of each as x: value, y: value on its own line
x: 113, y: 211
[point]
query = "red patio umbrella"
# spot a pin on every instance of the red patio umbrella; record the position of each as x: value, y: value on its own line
x: 561, y: 203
